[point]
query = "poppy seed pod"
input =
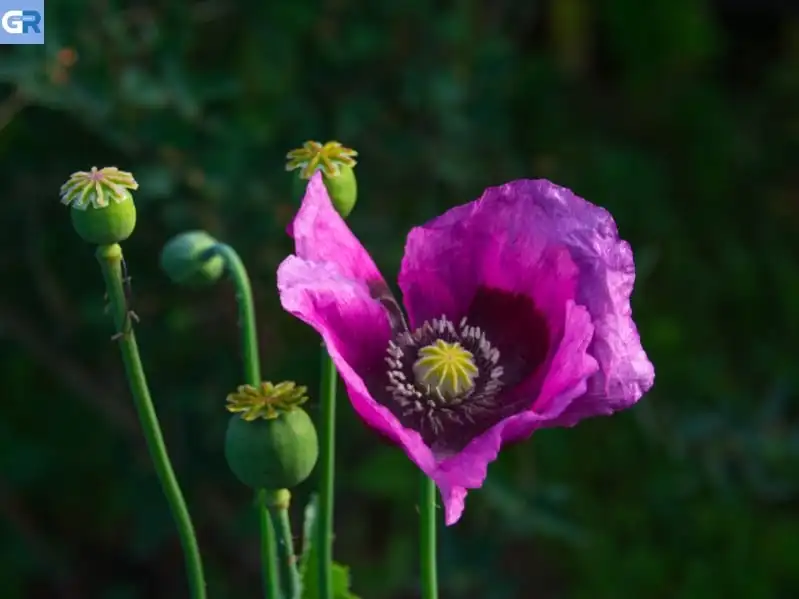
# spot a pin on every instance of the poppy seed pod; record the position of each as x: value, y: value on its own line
x: 185, y: 261
x: 271, y: 442
x: 103, y: 211
x: 335, y: 162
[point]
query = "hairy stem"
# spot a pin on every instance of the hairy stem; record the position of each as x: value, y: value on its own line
x: 427, y: 538
x: 327, y: 454
x: 110, y: 259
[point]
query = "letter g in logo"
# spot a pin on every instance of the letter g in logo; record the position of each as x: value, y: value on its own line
x: 12, y: 21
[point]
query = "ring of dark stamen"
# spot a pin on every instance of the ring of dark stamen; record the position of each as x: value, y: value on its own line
x: 422, y: 407
x: 508, y: 338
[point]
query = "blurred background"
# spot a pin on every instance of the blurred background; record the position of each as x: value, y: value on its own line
x: 680, y: 116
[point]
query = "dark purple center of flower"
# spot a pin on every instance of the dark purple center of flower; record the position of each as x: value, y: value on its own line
x: 505, y: 337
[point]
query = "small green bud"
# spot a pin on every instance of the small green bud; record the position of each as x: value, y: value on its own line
x: 336, y: 163
x: 271, y: 442
x: 185, y: 259
x: 103, y: 211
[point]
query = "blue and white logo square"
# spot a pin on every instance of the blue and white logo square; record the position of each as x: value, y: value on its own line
x: 21, y: 22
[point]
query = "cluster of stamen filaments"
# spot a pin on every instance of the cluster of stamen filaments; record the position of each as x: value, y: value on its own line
x: 442, y: 372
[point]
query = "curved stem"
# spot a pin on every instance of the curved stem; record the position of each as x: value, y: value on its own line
x: 252, y: 376
x: 427, y: 538
x: 327, y: 460
x: 249, y: 334
x: 110, y: 259
x: 278, y: 503
x: 268, y: 548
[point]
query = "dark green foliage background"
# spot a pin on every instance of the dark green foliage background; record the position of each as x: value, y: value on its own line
x: 680, y: 116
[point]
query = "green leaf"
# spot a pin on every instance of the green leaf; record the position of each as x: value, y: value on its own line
x: 308, y: 560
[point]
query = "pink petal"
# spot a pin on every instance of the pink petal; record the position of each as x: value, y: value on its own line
x: 356, y: 332
x: 498, y: 238
x: 321, y: 235
x: 566, y: 379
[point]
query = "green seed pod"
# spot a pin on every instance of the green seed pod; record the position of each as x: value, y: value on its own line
x: 184, y: 259
x: 337, y: 166
x: 103, y: 211
x: 271, y: 442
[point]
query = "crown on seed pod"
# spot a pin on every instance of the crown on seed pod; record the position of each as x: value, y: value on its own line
x: 102, y: 205
x: 271, y: 442
x: 336, y: 163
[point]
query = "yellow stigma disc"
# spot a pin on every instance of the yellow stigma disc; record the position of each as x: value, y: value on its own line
x: 446, y: 367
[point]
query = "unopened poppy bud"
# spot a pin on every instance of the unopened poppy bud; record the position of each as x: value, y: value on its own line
x: 185, y: 259
x: 271, y: 442
x: 336, y: 163
x: 103, y: 211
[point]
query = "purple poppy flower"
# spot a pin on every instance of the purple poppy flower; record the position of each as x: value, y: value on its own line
x: 518, y: 318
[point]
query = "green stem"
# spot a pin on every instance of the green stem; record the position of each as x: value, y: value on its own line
x: 110, y: 259
x: 252, y: 376
x: 249, y: 334
x: 278, y: 503
x: 327, y: 451
x: 268, y: 548
x: 427, y: 538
